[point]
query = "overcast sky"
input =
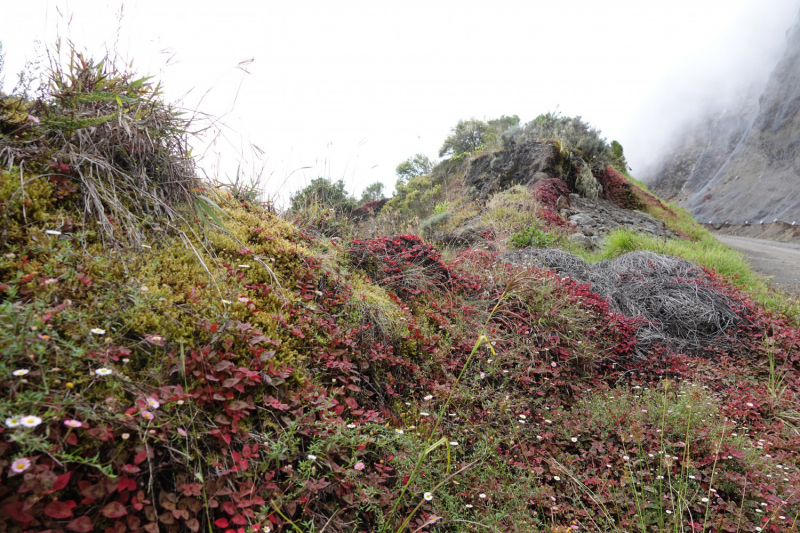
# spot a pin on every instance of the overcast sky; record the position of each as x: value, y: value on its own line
x: 351, y: 89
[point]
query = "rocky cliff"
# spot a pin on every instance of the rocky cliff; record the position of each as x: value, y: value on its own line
x: 742, y: 164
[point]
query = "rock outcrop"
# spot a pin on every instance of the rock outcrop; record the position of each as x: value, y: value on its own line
x: 743, y: 163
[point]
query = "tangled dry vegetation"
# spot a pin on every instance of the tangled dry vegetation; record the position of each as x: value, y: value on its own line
x: 172, y: 362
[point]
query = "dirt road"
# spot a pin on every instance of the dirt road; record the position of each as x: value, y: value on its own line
x: 778, y: 260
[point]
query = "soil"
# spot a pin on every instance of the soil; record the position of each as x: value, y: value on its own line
x: 777, y: 260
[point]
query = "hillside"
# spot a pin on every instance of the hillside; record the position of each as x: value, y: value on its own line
x: 741, y: 164
x: 556, y: 349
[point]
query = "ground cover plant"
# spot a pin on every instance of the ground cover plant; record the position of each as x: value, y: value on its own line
x: 213, y: 366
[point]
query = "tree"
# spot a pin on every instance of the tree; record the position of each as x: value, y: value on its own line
x: 466, y: 136
x: 618, y: 157
x: 418, y: 165
x: 372, y: 192
x: 324, y: 193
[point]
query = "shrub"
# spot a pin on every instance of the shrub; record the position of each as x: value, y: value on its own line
x: 417, y: 165
x: 372, y: 193
x: 532, y: 236
x: 325, y: 194
x: 434, y: 223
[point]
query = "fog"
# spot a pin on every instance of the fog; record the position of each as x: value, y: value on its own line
x: 349, y: 89
x: 733, y: 67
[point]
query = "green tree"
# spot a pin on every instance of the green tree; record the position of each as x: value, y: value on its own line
x: 466, y: 136
x: 417, y: 165
x: 618, y: 157
x: 372, y: 192
x: 500, y: 125
x: 323, y: 192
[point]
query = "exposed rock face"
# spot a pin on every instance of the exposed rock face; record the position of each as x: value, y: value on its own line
x: 744, y: 163
x: 526, y: 164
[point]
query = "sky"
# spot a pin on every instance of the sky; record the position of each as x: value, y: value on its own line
x: 349, y: 89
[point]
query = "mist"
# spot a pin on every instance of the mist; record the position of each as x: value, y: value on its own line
x: 731, y: 70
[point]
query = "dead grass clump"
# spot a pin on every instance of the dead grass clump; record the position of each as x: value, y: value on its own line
x: 110, y: 133
x: 680, y: 307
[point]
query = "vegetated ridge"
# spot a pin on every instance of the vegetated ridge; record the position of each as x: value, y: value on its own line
x: 741, y: 165
x: 177, y: 356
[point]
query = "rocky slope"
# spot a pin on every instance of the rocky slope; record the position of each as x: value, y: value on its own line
x: 741, y: 164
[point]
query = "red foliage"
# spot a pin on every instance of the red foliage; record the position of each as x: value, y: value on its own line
x: 617, y: 189
x: 547, y: 193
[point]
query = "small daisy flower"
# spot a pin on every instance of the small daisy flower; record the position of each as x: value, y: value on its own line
x: 625, y: 457
x: 749, y: 404
x: 692, y: 477
x: 181, y: 432
x: 704, y: 500
x: 103, y: 371
x: 669, y: 512
x: 548, y: 421
x: 152, y: 402
x: 125, y: 436
x: 147, y: 415
x: 428, y: 397
x: 398, y: 431
x: 351, y: 426
x: 482, y: 496
x: 482, y: 375
x: 98, y: 331
x: 359, y: 466
x: 20, y: 465
x: 428, y: 496
x: 12, y: 422
x: 226, y: 302
x: 73, y: 423
x: 20, y: 372
x: 522, y: 417
x: 468, y: 506
x: 244, y: 299
x: 312, y: 457
x: 30, y: 421
x: 574, y: 439
x: 453, y: 443
x: 556, y: 478
x: 554, y: 364
x: 782, y: 517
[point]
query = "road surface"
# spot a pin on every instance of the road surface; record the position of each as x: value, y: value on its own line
x: 777, y: 260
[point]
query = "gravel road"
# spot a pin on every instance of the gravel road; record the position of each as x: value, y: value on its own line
x: 777, y: 260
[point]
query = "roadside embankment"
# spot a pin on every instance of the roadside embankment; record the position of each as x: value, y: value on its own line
x: 772, y: 231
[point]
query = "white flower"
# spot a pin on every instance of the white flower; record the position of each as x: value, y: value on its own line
x: 453, y: 443
x: 152, y: 402
x: 522, y: 417
x: 103, y: 371
x: 98, y: 331
x: 30, y: 421
x: 428, y: 496
x: 226, y: 302
x: 20, y: 372
x: 549, y: 421
x: 704, y: 500
x: 557, y: 478
x: 423, y: 413
x: 749, y: 404
x: 692, y: 477
x: 312, y: 457
x: 482, y: 496
x: 351, y: 426
x: 625, y: 457
x: 669, y: 512
x: 573, y: 439
x: 428, y: 397
x: 482, y: 375
x: 468, y: 506
x: 399, y: 431
x: 12, y: 422
x: 20, y: 465
x: 244, y: 299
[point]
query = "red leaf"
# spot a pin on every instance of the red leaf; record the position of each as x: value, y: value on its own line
x: 221, y: 522
x: 132, y: 469
x: 126, y: 483
x: 82, y: 524
x: 152, y: 527
x: 58, y: 509
x: 141, y: 456
x: 239, y: 519
x: 61, y: 481
x: 16, y: 512
x: 229, y: 508
x: 193, y: 524
x: 114, y: 510
x: 72, y: 439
